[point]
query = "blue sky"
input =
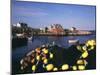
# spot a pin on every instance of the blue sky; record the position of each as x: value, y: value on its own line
x: 39, y: 15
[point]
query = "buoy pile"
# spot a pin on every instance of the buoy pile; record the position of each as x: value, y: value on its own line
x: 85, y: 49
x: 43, y: 59
x: 39, y: 55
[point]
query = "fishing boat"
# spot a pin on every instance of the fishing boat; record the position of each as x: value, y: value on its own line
x: 73, y: 41
x: 30, y: 38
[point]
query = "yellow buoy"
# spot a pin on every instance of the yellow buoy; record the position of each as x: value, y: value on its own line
x: 43, y: 58
x: 91, y: 48
x: 74, y: 68
x: 65, y: 67
x: 80, y: 62
x: 55, y: 69
x: 85, y: 54
x: 49, y: 67
x: 45, y: 51
x: 81, y: 67
x: 91, y: 43
x: 38, y: 57
x: 45, y: 61
x: 78, y: 48
x: 84, y: 48
x: 33, y: 67
x: 51, y: 55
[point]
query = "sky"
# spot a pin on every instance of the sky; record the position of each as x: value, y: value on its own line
x: 40, y: 15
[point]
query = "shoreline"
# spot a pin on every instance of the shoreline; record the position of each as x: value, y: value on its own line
x: 62, y: 34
